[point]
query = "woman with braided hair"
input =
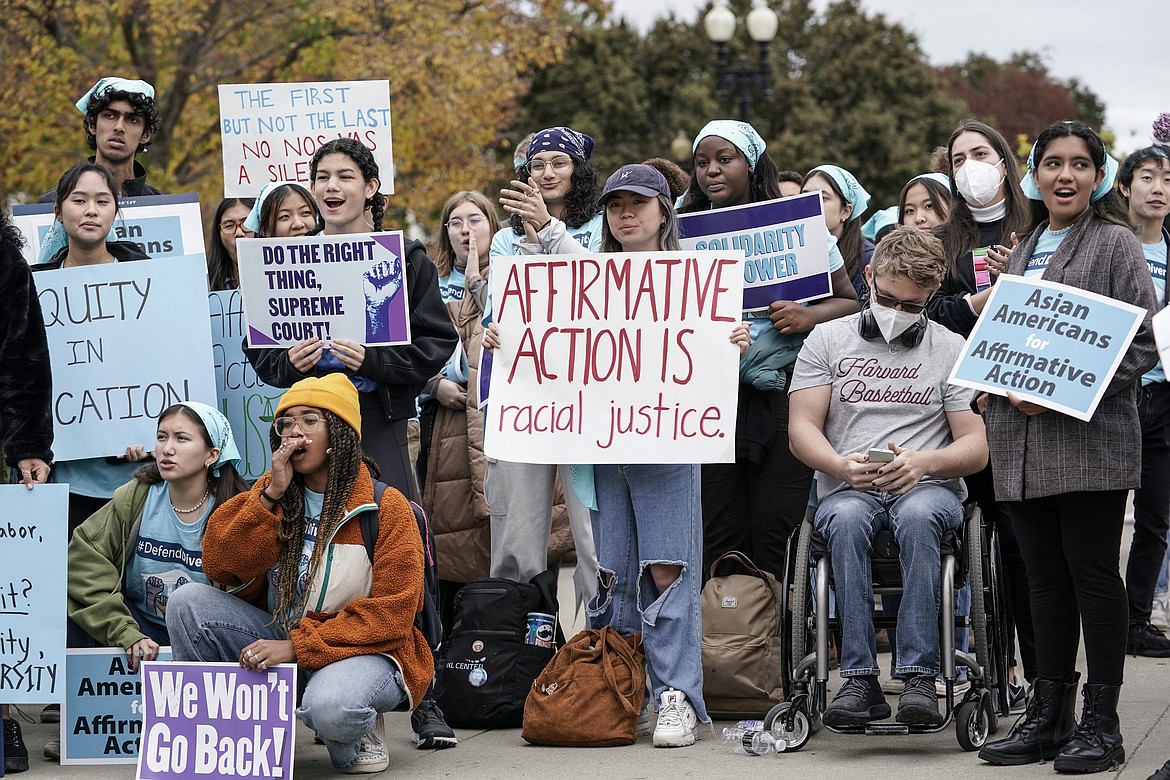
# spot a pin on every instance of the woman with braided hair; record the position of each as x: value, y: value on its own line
x: 345, y: 616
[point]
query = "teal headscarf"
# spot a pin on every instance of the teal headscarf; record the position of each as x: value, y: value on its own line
x: 855, y: 194
x: 219, y: 430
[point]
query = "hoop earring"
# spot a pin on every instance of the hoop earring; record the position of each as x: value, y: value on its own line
x: 328, y: 450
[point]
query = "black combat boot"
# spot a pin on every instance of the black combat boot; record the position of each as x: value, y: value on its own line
x: 1047, y: 724
x: 1096, y: 745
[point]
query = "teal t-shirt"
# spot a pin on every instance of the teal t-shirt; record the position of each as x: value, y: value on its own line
x: 1156, y: 259
x: 167, y: 555
x: 93, y: 477
x: 1046, y: 245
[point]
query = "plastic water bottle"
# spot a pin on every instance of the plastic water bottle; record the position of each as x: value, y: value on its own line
x: 752, y: 742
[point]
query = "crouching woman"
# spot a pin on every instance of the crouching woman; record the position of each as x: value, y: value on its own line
x: 344, y: 616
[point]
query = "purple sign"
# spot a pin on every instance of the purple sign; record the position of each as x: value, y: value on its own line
x: 782, y: 245
x: 216, y: 720
x: 350, y: 287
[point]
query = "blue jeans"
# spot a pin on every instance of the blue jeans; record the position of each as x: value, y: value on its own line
x: 341, y: 700
x: 650, y: 514
x: 848, y: 520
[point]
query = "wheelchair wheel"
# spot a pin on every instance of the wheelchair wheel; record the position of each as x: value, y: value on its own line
x: 801, y: 599
x: 788, y: 739
x: 973, y: 723
x: 975, y: 560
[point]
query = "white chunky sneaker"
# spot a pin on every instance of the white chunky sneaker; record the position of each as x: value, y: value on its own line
x: 372, y: 756
x: 678, y: 726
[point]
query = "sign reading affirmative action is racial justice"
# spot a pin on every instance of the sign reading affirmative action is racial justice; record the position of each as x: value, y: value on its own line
x: 216, y: 720
x: 127, y: 340
x: 244, y: 398
x: 101, y: 718
x: 1049, y: 343
x: 325, y: 287
x: 782, y: 245
x: 271, y: 131
x: 614, y: 359
x: 32, y: 592
x: 161, y: 225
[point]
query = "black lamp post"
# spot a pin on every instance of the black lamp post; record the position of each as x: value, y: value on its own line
x: 761, y: 23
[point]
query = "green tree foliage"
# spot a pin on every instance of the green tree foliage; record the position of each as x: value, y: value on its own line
x: 847, y: 89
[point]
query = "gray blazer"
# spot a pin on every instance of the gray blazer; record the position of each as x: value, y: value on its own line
x: 1052, y: 453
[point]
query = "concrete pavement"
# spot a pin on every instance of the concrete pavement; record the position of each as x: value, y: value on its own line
x: 485, y: 755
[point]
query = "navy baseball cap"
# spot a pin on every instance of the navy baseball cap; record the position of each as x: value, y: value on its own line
x: 638, y: 178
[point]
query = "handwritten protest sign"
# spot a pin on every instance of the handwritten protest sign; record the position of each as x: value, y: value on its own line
x: 161, y: 225
x: 243, y: 398
x: 32, y: 592
x: 271, y: 131
x: 1054, y: 345
x: 782, y: 244
x: 614, y: 358
x: 349, y: 287
x: 101, y: 719
x: 217, y: 720
x: 126, y: 341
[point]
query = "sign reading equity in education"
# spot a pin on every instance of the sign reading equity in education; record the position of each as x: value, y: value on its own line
x: 216, y: 720
x: 271, y: 131
x: 243, y: 398
x: 101, y: 719
x: 614, y: 358
x: 32, y: 592
x: 782, y: 244
x: 1054, y: 345
x: 326, y: 287
x: 126, y: 340
x: 161, y: 225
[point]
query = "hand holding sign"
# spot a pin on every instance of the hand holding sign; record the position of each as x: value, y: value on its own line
x: 350, y: 353
x: 790, y: 317
x: 305, y: 355
x: 33, y: 471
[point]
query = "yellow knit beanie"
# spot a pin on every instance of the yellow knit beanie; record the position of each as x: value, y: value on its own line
x: 333, y: 392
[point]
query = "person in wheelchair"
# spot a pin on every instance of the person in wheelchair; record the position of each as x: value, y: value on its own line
x: 870, y: 381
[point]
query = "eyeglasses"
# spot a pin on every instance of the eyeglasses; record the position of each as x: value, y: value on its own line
x: 308, y: 423
x: 455, y: 225
x: 559, y: 164
x: 910, y: 307
x: 228, y: 226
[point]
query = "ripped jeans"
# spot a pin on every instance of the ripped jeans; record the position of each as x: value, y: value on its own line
x: 652, y: 514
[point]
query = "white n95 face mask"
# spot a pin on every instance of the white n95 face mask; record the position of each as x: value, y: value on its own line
x: 978, y: 182
x: 891, y: 322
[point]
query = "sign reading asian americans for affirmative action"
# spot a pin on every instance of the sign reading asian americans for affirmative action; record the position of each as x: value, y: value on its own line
x: 126, y: 341
x: 271, y: 131
x: 1049, y: 343
x: 782, y: 244
x: 614, y: 359
x: 325, y: 287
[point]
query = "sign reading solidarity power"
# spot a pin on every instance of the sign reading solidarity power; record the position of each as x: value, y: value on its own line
x: 782, y: 244
x: 1049, y: 343
x: 325, y: 287
x: 271, y: 131
x: 614, y: 358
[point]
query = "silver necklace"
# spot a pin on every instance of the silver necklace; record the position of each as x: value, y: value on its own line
x: 206, y: 493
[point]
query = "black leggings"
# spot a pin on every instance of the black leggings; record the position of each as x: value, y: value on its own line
x: 1071, y: 545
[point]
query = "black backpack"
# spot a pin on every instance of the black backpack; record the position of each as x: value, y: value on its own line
x: 486, y: 667
x: 427, y: 620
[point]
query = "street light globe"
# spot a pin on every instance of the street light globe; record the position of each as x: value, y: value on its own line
x: 719, y: 22
x: 762, y: 22
x: 680, y: 147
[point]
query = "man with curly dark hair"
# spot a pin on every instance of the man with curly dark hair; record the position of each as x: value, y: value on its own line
x: 121, y: 119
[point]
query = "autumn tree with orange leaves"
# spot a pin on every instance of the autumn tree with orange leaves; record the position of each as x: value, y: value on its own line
x: 455, y: 69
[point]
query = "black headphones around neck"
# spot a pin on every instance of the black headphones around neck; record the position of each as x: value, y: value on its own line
x: 868, y: 329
